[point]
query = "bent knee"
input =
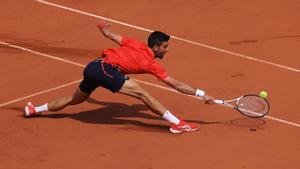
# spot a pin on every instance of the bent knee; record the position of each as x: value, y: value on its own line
x: 74, y: 102
x: 77, y: 100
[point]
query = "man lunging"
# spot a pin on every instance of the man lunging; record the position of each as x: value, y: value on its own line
x: 110, y: 72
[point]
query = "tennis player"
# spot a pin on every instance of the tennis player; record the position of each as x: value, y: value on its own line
x: 110, y: 72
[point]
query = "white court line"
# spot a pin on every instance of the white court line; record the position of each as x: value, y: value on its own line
x: 174, y: 37
x: 39, y: 93
x: 41, y: 54
x: 81, y: 65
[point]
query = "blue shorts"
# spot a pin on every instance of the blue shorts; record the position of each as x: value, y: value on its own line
x: 98, y: 73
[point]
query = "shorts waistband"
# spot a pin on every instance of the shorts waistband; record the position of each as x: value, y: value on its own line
x: 101, y: 60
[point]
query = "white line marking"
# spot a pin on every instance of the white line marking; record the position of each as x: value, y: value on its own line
x: 95, y: 16
x: 283, y: 121
x: 240, y: 55
x: 39, y: 93
x: 41, y: 54
x: 174, y: 37
x: 80, y: 65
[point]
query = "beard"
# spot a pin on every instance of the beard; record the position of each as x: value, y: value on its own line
x: 160, y: 56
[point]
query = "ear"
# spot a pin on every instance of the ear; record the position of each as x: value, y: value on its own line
x: 155, y: 48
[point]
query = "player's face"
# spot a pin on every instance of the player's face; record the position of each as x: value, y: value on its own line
x: 161, y: 50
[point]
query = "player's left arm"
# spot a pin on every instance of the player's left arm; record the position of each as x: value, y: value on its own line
x: 186, y: 89
x: 103, y: 26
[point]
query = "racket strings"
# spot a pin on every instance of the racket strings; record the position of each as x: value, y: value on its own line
x: 253, y: 106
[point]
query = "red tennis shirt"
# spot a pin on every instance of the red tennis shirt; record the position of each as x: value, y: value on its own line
x: 134, y: 57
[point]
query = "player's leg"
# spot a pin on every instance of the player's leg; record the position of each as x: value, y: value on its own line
x: 57, y: 104
x: 77, y: 98
x: 115, y: 81
x: 87, y: 85
x: 133, y: 89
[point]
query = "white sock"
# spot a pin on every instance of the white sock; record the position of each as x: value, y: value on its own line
x: 171, y: 118
x: 41, y: 108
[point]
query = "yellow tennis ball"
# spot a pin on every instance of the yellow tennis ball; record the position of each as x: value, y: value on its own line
x: 263, y: 94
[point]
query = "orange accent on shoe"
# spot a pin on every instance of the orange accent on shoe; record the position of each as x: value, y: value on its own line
x: 183, y: 126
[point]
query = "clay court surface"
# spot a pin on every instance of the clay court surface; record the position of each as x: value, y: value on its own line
x: 113, y: 131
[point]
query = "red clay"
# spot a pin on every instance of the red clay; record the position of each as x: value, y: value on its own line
x: 118, y: 132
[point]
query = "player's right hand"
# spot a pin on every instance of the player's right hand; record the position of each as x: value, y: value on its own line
x: 208, y: 99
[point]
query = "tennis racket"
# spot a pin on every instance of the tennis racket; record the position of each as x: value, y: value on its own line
x: 250, y: 105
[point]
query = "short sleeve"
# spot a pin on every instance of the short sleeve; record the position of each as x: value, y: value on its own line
x: 157, y: 70
x: 128, y: 41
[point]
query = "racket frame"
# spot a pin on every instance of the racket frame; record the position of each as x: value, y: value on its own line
x: 236, y: 107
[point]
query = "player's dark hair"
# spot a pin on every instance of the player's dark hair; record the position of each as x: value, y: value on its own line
x: 157, y: 38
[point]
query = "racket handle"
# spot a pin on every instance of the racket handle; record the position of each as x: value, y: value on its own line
x: 219, y: 101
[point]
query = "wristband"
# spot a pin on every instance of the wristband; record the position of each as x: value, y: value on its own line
x: 101, y: 25
x: 200, y: 93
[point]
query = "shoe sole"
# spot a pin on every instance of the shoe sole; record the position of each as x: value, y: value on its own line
x: 180, y: 131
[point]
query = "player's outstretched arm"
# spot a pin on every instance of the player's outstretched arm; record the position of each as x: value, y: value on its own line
x: 103, y: 26
x: 179, y: 86
x: 186, y: 89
